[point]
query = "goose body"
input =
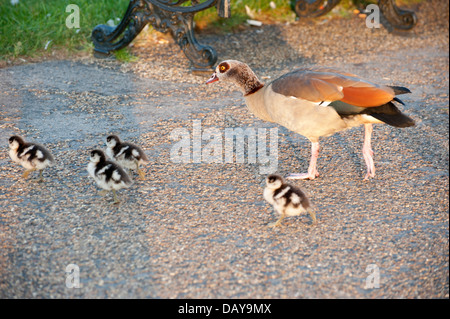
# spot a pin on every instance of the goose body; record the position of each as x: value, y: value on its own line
x: 31, y: 156
x: 287, y: 200
x: 316, y: 103
x: 107, y: 174
x: 127, y: 155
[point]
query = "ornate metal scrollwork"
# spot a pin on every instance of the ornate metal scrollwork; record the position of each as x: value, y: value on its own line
x: 133, y: 22
x: 175, y: 16
x: 397, y: 18
x: 394, y: 16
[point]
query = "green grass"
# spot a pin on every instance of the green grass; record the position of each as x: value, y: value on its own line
x: 26, y: 28
x: 35, y: 27
x: 125, y: 55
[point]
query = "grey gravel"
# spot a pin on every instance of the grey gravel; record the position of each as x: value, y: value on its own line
x: 199, y: 230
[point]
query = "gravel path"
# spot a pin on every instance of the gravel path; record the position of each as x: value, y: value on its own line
x: 198, y: 230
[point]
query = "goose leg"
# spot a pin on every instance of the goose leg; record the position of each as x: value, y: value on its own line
x: 140, y: 172
x: 312, y: 214
x: 27, y: 172
x: 116, y: 200
x: 41, y: 177
x: 312, y: 170
x: 278, y: 222
x: 367, y: 151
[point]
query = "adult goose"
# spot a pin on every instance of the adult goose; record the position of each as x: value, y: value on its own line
x: 318, y: 102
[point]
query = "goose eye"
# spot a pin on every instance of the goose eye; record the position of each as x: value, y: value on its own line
x: 222, y: 68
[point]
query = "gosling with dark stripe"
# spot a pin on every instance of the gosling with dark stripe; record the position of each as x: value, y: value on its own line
x: 128, y: 155
x: 287, y: 200
x: 31, y: 156
x: 108, y: 175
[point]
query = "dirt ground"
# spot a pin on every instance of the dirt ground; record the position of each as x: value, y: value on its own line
x: 199, y: 230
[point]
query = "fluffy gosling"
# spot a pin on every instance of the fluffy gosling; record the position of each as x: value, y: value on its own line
x: 108, y: 175
x: 31, y: 156
x: 287, y: 200
x: 128, y: 155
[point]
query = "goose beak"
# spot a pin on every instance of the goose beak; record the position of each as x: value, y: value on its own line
x: 213, y: 78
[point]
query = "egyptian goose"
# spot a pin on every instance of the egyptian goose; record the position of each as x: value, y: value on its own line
x: 318, y: 102
x: 127, y: 155
x: 31, y: 156
x: 287, y: 200
x: 108, y: 175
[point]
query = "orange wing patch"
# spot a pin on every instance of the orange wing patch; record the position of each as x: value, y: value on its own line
x: 317, y: 90
x: 326, y: 84
x: 367, y: 96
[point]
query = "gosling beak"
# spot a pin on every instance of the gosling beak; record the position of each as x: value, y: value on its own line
x: 213, y: 78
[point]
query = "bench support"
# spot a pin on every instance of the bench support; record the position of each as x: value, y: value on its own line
x: 176, y: 16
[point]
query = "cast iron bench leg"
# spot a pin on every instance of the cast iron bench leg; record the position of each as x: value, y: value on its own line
x: 164, y: 16
x: 397, y: 18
